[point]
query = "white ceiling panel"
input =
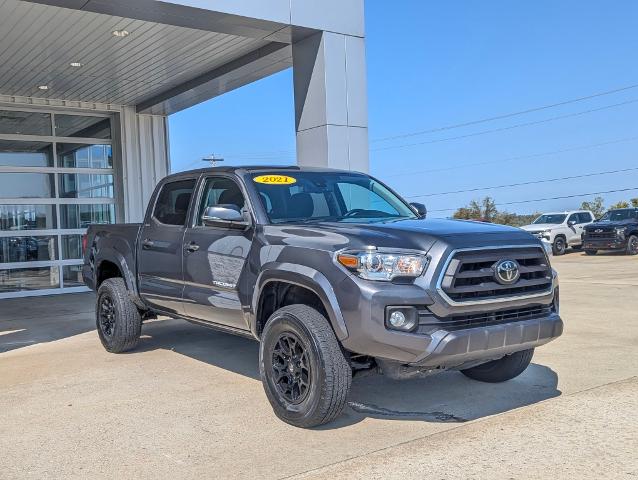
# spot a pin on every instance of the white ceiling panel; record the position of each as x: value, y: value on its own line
x: 38, y: 42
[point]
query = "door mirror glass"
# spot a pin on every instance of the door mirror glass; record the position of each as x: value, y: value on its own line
x: 220, y: 214
x: 571, y: 223
x: 420, y: 209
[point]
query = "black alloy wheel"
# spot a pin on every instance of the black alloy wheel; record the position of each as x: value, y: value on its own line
x: 106, y: 315
x: 632, y: 245
x: 291, y: 368
x: 117, y: 319
x: 303, y: 368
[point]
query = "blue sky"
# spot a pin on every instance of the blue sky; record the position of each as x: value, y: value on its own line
x: 435, y: 64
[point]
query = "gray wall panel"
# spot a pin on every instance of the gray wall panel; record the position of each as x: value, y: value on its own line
x: 331, y: 101
x: 144, y: 159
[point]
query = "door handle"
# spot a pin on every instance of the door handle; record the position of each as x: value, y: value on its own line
x: 192, y: 247
x: 147, y: 243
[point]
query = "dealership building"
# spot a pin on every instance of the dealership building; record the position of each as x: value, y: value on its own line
x: 86, y: 87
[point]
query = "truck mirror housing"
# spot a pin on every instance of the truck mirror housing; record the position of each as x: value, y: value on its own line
x: 420, y: 209
x: 571, y: 223
x: 222, y: 214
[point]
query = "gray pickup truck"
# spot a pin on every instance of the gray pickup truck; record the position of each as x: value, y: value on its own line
x: 333, y: 273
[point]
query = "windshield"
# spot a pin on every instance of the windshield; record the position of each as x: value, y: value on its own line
x: 293, y: 196
x: 620, y: 215
x: 551, y: 218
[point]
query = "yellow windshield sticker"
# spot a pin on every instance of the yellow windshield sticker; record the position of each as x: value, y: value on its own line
x: 275, y: 179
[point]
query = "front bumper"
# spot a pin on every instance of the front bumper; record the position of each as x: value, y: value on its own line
x: 604, y: 244
x: 450, y: 349
x: 363, y: 306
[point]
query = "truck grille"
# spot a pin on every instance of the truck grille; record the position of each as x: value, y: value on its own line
x: 470, y: 274
x: 429, y: 323
x: 605, y: 235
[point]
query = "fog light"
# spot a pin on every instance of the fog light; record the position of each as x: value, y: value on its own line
x: 401, y: 318
x: 397, y: 319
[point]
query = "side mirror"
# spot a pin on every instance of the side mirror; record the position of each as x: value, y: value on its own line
x: 420, y: 209
x: 571, y: 223
x: 222, y: 215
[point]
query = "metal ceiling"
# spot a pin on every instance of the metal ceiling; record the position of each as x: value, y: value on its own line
x: 149, y: 66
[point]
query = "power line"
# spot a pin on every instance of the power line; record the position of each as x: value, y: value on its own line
x: 511, y: 127
x: 532, y: 182
x: 507, y: 115
x: 550, y: 198
x: 519, y: 157
x: 263, y: 154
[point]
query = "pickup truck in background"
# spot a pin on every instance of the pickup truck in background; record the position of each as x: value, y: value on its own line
x: 333, y: 273
x: 617, y: 230
x: 561, y: 229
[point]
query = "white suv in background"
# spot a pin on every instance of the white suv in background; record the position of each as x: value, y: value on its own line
x: 561, y: 229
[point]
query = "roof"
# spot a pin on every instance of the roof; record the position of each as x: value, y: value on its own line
x: 257, y: 168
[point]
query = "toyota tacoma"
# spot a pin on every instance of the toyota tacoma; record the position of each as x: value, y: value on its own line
x: 333, y: 273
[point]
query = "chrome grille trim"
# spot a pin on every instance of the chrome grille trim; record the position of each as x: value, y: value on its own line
x: 492, y: 300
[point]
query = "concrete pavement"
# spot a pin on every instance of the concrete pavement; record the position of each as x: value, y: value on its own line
x: 188, y: 402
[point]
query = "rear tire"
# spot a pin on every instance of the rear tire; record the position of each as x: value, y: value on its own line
x: 559, y: 246
x: 118, y: 320
x: 632, y: 245
x: 591, y: 252
x: 303, y: 369
x: 501, y: 370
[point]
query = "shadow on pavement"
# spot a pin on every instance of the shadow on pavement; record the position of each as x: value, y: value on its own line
x: 446, y: 397
x: 29, y: 321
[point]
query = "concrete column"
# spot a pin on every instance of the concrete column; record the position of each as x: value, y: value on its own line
x: 144, y: 160
x: 331, y: 110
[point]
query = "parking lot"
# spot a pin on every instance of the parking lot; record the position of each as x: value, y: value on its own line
x: 188, y: 402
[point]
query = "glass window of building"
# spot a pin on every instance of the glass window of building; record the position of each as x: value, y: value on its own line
x: 57, y: 177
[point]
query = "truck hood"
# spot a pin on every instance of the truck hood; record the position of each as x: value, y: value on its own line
x: 405, y: 234
x: 537, y: 227
x: 610, y: 225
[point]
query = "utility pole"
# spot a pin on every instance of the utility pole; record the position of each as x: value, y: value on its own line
x: 212, y: 159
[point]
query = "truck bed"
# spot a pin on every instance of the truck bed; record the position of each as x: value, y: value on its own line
x: 119, y: 240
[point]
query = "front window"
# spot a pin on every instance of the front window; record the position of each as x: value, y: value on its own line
x: 620, y: 215
x: 551, y: 219
x: 294, y: 196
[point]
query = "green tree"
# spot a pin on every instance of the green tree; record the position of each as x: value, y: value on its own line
x: 490, y: 211
x: 621, y: 204
x: 484, y: 210
x: 634, y: 202
x: 597, y: 207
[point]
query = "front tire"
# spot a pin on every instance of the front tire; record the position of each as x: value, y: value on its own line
x: 632, y: 245
x: 303, y: 369
x: 118, y: 320
x: 559, y: 246
x: 501, y: 370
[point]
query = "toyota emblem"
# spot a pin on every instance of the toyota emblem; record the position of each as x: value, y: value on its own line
x: 507, y: 272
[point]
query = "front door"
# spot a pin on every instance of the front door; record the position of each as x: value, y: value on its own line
x: 215, y: 259
x: 160, y: 248
x: 575, y: 230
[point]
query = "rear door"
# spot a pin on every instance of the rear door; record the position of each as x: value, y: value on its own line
x: 215, y: 257
x: 160, y: 247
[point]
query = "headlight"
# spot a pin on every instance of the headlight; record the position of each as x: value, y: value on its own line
x: 385, y: 266
x: 620, y: 232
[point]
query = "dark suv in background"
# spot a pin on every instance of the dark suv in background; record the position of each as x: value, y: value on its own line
x: 616, y: 230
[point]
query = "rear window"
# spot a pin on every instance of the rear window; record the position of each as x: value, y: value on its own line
x: 172, y: 203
